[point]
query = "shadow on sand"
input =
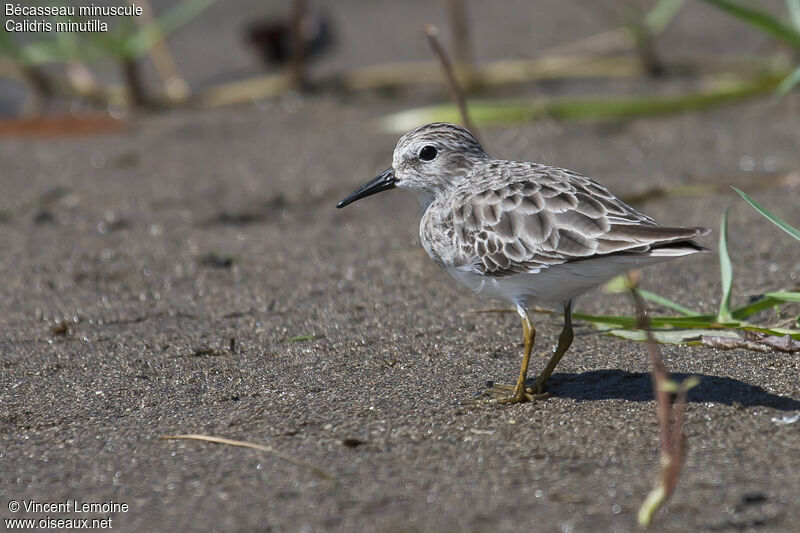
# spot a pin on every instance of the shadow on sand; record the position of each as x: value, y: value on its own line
x: 637, y: 387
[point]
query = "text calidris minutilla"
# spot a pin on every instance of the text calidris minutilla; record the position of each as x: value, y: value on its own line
x: 524, y: 232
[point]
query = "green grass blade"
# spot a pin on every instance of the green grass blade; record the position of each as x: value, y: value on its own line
x: 32, y: 52
x: 746, y: 311
x: 621, y: 283
x: 785, y: 226
x: 761, y: 20
x: 794, y: 12
x: 617, y: 284
x: 111, y: 43
x: 701, y: 321
x: 67, y: 42
x: 689, y: 322
x: 9, y: 46
x: 662, y: 14
x: 775, y: 332
x: 672, y: 337
x: 172, y: 20
x: 726, y: 272
x: 606, y: 320
x: 784, y: 296
x: 605, y: 108
x: 669, y: 304
x: 788, y: 83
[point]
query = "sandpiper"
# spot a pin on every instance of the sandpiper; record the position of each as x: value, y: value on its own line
x: 524, y: 232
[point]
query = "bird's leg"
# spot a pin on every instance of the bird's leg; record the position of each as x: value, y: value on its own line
x: 519, y: 394
x: 564, y: 342
x: 529, y: 334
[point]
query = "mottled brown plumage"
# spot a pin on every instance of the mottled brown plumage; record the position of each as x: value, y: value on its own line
x: 529, y: 216
x: 525, y: 232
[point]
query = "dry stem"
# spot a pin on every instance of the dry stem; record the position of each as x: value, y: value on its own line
x: 670, y: 418
x: 137, y: 94
x: 175, y: 86
x: 260, y: 447
x: 459, y: 25
x: 455, y: 89
x: 297, y: 60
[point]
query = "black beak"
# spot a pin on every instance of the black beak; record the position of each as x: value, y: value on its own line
x: 384, y: 182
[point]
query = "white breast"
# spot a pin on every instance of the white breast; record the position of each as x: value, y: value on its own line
x: 554, y: 284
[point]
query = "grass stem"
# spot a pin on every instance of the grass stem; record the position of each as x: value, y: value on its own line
x: 447, y: 67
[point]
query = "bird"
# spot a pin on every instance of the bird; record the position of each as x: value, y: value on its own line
x: 524, y: 232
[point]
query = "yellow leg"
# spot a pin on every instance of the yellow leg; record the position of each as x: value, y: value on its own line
x: 529, y: 334
x: 564, y: 342
x: 519, y: 394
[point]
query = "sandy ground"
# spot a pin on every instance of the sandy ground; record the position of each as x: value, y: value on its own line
x: 153, y: 279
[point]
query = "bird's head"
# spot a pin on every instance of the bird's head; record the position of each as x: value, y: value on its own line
x: 426, y: 161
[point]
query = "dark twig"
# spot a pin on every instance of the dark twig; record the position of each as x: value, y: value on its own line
x: 137, y: 94
x: 40, y: 82
x: 459, y: 25
x: 297, y: 60
x: 175, y: 86
x: 670, y: 418
x: 455, y: 89
x: 41, y: 88
x: 644, y: 39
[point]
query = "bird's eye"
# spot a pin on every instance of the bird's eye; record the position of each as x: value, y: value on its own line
x: 428, y: 153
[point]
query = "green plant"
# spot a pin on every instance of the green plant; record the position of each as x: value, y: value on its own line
x: 126, y: 42
x: 727, y: 328
x: 786, y: 31
x: 782, y: 224
x: 724, y: 87
x: 595, y: 108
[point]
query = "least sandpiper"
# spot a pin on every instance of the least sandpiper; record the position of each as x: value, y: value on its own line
x: 524, y: 232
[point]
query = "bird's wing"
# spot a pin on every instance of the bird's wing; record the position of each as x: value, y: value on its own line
x: 549, y: 217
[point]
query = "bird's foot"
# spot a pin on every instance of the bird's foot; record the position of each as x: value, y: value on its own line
x: 498, y: 393
x: 505, y: 387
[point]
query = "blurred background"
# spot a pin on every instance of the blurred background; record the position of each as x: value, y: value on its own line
x: 193, y: 52
x: 173, y: 261
x: 519, y: 65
